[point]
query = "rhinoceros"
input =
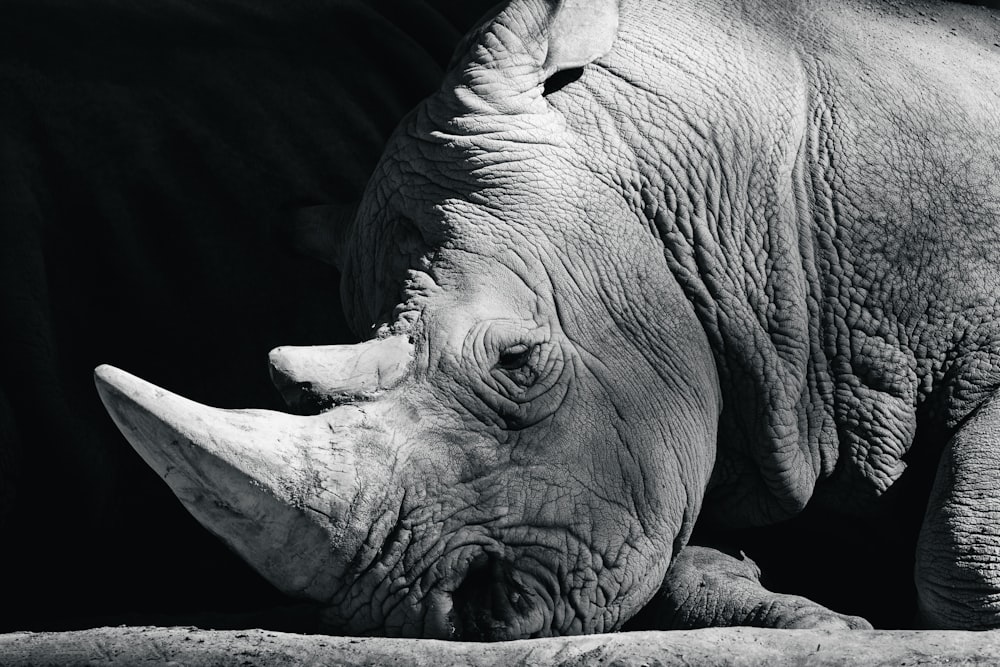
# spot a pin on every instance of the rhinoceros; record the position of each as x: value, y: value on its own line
x: 633, y: 265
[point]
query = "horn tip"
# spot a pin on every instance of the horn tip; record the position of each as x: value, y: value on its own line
x: 117, y: 388
x: 105, y: 371
x: 108, y: 377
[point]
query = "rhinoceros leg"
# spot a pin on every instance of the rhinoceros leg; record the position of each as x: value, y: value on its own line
x: 707, y: 588
x: 958, y: 554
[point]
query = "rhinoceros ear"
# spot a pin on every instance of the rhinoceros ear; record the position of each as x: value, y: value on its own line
x: 579, y: 32
x: 320, y: 231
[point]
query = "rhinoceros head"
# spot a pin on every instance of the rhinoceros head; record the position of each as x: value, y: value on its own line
x: 524, y: 441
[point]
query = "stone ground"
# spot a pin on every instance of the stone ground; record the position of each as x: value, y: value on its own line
x: 193, y: 647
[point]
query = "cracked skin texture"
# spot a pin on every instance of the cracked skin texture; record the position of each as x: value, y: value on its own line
x: 830, y: 201
x: 820, y: 182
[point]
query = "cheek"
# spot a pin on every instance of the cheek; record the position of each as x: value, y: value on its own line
x: 603, y: 558
x: 616, y: 468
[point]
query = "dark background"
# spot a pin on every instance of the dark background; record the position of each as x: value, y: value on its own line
x: 153, y: 155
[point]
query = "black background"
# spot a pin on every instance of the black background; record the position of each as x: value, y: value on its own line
x: 152, y: 157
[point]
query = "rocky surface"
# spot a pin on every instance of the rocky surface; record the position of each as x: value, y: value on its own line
x: 194, y: 647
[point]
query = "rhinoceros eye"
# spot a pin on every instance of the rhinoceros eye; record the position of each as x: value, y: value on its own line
x: 519, y: 364
x: 514, y: 357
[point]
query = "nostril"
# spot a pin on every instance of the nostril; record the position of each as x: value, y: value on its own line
x: 477, y: 599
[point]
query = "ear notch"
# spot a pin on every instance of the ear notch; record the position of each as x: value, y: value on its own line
x: 579, y: 32
x: 320, y: 231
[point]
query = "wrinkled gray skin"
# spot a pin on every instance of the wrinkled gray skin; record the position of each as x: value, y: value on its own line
x: 724, y: 266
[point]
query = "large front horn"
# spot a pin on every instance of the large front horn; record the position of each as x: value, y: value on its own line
x: 321, y: 375
x: 285, y: 492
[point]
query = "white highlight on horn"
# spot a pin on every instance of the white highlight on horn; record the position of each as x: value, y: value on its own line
x: 283, y: 491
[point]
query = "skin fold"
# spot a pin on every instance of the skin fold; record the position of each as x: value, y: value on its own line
x: 634, y: 266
